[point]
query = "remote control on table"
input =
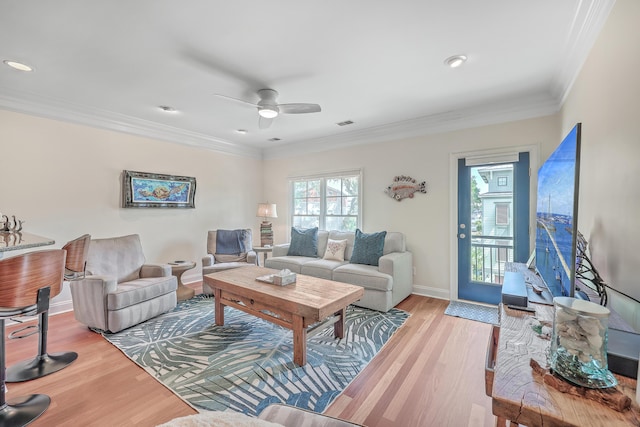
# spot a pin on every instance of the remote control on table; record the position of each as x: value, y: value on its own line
x: 517, y: 307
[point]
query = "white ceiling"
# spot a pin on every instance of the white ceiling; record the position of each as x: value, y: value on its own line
x: 379, y: 63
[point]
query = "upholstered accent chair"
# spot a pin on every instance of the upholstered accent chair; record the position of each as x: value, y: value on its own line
x: 213, y: 261
x: 120, y: 289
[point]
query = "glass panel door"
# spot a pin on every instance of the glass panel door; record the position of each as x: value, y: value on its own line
x: 493, y: 219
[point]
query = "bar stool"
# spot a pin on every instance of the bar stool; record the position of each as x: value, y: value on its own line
x: 77, y: 251
x: 44, y: 363
x: 25, y: 284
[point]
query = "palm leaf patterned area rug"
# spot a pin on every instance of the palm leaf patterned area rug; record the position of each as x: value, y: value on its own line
x: 247, y: 364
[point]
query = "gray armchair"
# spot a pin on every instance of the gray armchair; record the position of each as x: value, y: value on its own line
x: 120, y: 290
x: 213, y: 262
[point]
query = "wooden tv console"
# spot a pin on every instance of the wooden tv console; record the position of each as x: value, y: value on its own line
x: 519, y: 394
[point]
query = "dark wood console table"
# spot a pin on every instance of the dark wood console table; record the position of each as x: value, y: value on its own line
x: 519, y: 395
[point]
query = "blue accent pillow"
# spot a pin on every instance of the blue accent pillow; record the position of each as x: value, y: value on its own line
x: 368, y: 248
x: 304, y: 242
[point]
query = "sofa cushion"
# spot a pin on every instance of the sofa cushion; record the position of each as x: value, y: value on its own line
x: 368, y: 248
x: 137, y: 291
x: 224, y: 266
x: 322, y: 268
x: 366, y: 276
x: 335, y: 250
x: 304, y: 242
x: 223, y: 258
x: 394, y: 242
x: 293, y: 263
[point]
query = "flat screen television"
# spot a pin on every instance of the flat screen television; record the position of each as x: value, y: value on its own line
x: 557, y: 216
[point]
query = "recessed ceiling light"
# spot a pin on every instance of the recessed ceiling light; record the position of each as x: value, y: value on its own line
x: 241, y: 131
x: 167, y: 109
x: 18, y: 65
x: 455, y: 61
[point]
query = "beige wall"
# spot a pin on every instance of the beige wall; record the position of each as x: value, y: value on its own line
x: 606, y: 99
x: 64, y: 180
x: 425, y: 219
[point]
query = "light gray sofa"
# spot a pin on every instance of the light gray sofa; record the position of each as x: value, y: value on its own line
x: 384, y: 285
x: 120, y: 290
x: 211, y: 265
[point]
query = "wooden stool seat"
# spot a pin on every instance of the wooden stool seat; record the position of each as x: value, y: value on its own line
x: 26, y: 282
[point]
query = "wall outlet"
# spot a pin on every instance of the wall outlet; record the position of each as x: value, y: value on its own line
x: 414, y: 271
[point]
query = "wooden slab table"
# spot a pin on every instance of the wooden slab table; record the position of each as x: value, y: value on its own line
x: 296, y: 306
x: 518, y: 394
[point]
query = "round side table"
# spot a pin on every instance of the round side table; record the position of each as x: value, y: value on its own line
x: 177, y: 269
x: 264, y: 250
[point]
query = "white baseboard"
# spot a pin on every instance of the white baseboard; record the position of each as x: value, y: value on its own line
x: 61, y: 307
x: 428, y: 291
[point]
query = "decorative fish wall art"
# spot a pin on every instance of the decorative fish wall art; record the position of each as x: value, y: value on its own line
x: 404, y: 186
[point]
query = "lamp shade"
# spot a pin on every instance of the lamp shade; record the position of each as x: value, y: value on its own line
x: 267, y: 210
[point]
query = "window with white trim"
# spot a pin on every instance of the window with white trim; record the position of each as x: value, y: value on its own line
x: 502, y: 213
x: 329, y: 202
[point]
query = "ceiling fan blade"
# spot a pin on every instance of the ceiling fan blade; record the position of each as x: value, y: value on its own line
x: 242, y: 101
x: 299, y: 108
x: 264, y: 123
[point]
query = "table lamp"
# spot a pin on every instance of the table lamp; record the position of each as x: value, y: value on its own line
x: 266, y: 210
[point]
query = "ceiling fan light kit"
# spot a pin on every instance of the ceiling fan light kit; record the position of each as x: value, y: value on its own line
x: 268, y: 112
x: 269, y: 109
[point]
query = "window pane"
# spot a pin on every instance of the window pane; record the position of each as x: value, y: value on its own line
x: 334, y: 187
x: 502, y: 214
x: 306, y: 221
x: 314, y: 189
x: 341, y: 223
x: 313, y: 204
x: 300, y: 206
x: 333, y: 206
x: 300, y: 189
x: 350, y: 186
x: 350, y: 205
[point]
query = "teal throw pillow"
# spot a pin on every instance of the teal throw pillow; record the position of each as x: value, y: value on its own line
x: 304, y: 242
x: 368, y: 248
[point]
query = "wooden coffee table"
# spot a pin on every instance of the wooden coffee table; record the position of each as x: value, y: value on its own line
x: 296, y: 306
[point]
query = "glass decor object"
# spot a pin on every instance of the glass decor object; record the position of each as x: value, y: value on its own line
x: 579, y: 343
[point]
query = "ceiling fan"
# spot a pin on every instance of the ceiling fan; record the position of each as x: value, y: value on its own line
x: 269, y: 109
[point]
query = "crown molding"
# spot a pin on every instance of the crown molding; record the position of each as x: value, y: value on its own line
x: 507, y: 111
x: 522, y: 108
x: 592, y: 15
x: 97, y: 118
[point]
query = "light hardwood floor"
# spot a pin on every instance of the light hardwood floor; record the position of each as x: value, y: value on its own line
x: 431, y: 373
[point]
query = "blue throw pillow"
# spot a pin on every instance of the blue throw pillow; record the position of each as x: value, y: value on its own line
x: 304, y: 242
x: 368, y: 248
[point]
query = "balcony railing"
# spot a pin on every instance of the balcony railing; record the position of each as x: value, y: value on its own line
x: 488, y: 256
